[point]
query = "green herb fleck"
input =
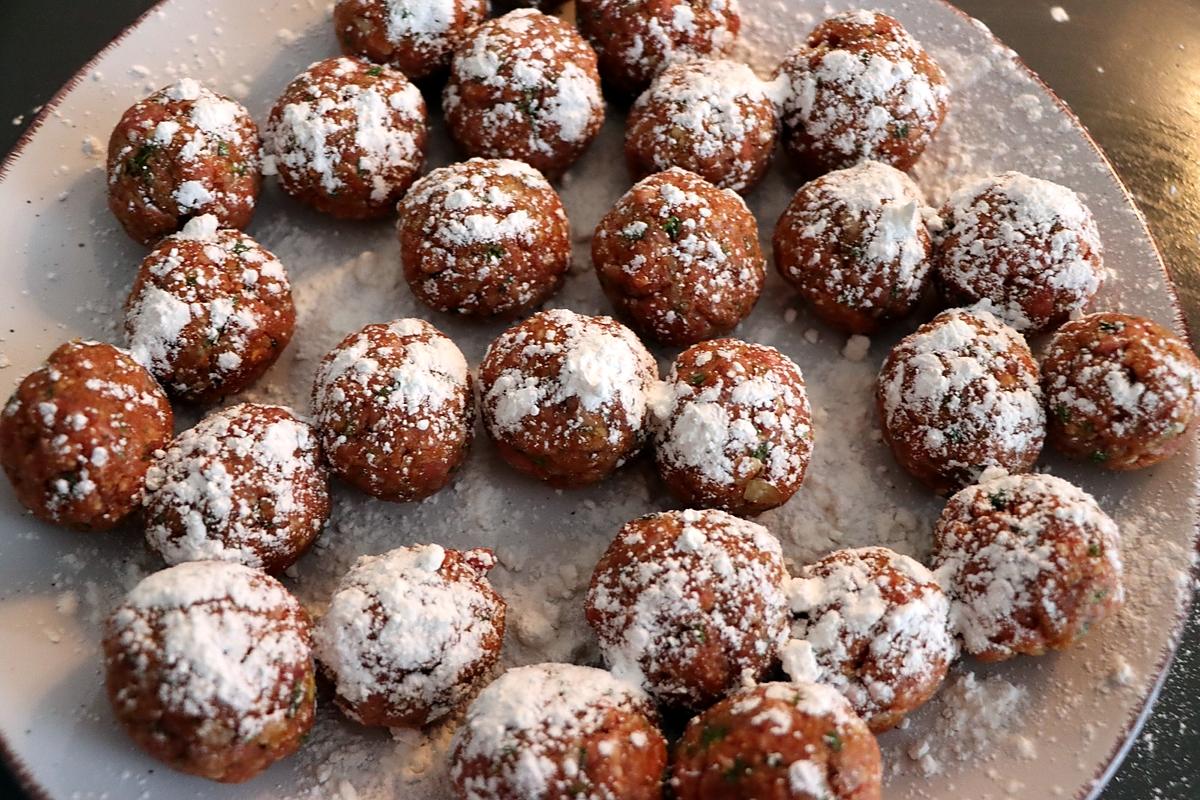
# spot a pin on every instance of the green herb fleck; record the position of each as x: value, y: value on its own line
x: 528, y: 103
x: 239, y: 247
x: 375, y: 72
x: 140, y: 163
x: 1094, y: 550
x: 953, y: 436
x: 711, y: 734
x: 495, y: 251
x: 900, y: 131
x: 762, y: 450
x: 1063, y: 412
x: 737, y: 770
x: 1110, y: 327
x: 671, y: 226
x: 998, y: 499
x: 1098, y: 456
x: 697, y: 378
x: 222, y: 147
x: 834, y: 741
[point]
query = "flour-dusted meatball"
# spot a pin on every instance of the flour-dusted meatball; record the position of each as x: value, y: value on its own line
x: 209, y: 312
x: 856, y: 244
x: 733, y: 427
x: 860, y: 88
x: 524, y: 86
x: 484, y: 237
x: 778, y: 741
x: 348, y: 137
x: 411, y: 633
x: 395, y: 406
x: 679, y: 258
x: 78, y: 434
x: 209, y: 669
x: 1031, y: 562
x: 559, y: 732
x: 690, y: 604
x: 958, y: 396
x: 565, y: 396
x: 416, y: 37
x: 710, y: 116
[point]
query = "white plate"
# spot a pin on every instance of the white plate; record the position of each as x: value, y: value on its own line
x: 1037, y: 728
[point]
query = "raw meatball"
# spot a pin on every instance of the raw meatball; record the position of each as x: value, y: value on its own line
x: 182, y: 152
x: 710, y: 116
x: 1031, y: 563
x: 873, y: 624
x: 732, y: 427
x: 247, y: 484
x: 559, y: 732
x: 77, y: 435
x: 856, y: 245
x: 395, y: 406
x: 958, y: 396
x: 524, y: 86
x: 679, y: 258
x: 209, y: 312
x: 778, y: 741
x: 860, y: 88
x: 209, y: 669
x: 348, y: 137
x: 414, y: 36
x: 411, y: 633
x: 690, y: 604
x: 484, y: 237
x: 565, y: 396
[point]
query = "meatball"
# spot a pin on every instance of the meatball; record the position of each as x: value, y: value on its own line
x: 348, y: 137
x: 558, y: 732
x: 182, y: 152
x: 524, y: 86
x: 778, y: 741
x: 414, y: 36
x: 710, y: 116
x: 873, y: 624
x: 958, y: 396
x: 209, y: 669
x: 855, y: 243
x: 77, y: 435
x: 732, y: 427
x: 565, y: 396
x: 860, y: 88
x: 484, y: 237
x: 247, y: 484
x: 680, y: 258
x: 1031, y: 563
x: 411, y: 633
x: 635, y: 40
x: 690, y: 604
x: 209, y: 312
x: 395, y: 406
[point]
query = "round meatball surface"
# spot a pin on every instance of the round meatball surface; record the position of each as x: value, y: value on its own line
x: 559, y: 732
x: 958, y: 396
x: 348, y: 137
x: 395, y: 406
x: 182, y: 152
x: 484, y: 237
x: 222, y: 708
x: 1031, y: 563
x: 78, y: 434
x: 411, y: 633
x: 416, y: 37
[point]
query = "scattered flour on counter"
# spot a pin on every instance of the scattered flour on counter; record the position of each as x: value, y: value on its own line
x: 1059, y: 14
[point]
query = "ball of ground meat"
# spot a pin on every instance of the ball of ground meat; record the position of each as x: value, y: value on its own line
x: 348, y: 137
x: 711, y: 116
x: 209, y: 312
x: 860, y: 88
x: 77, y: 435
x: 484, y: 237
x: 778, y: 741
x: 209, y: 669
x: 411, y: 633
x: 636, y: 39
x: 679, y: 258
x: 414, y: 36
x: 689, y: 604
x: 732, y: 427
x: 565, y: 396
x: 873, y: 624
x: 247, y: 484
x: 556, y: 732
x: 958, y: 396
x: 524, y: 86
x: 395, y: 406
x: 1031, y: 562
x: 855, y: 243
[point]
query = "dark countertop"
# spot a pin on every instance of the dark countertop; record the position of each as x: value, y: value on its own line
x: 1129, y: 68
